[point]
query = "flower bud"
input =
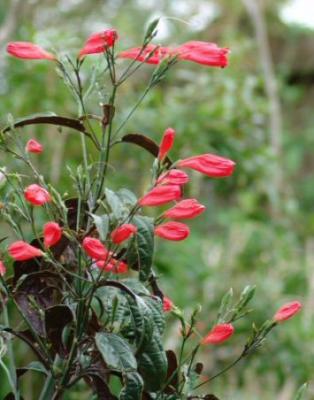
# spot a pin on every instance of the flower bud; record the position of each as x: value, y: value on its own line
x: 123, y: 232
x: 185, y: 209
x: 52, y: 234
x: 219, y: 334
x: 172, y: 231
x: 95, y: 249
x: 173, y: 177
x: 209, y: 164
x: 30, y: 51
x: 166, y: 143
x: 32, y: 146
x: 99, y: 42
x: 161, y: 195
x: 37, y: 195
x: 22, y: 251
x: 167, y: 304
x: 287, y: 311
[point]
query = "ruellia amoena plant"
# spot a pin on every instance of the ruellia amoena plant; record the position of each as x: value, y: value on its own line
x: 90, y: 303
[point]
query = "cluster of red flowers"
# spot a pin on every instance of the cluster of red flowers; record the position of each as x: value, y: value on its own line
x: 204, y: 53
x: 169, y: 188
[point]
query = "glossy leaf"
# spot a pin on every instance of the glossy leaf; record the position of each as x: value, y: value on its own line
x: 115, y: 351
x: 141, y: 247
x: 133, y: 387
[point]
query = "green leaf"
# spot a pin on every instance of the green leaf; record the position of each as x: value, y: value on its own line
x: 301, y: 392
x: 102, y: 225
x: 127, y: 197
x: 114, y: 203
x: 141, y: 247
x: 115, y: 351
x: 133, y: 387
x: 224, y: 306
x: 152, y: 363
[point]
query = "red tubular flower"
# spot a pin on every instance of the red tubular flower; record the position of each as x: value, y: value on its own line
x: 219, y: 334
x: 166, y: 143
x: 29, y: 51
x: 95, y: 249
x: 99, y: 42
x: 152, y: 54
x: 185, y: 209
x: 204, y: 53
x: 161, y: 195
x: 52, y: 234
x: 173, y: 177
x: 167, y: 304
x: 2, y: 269
x: 172, y: 231
x: 123, y: 232
x: 209, y: 164
x: 32, y: 146
x: 114, y: 266
x: 22, y: 251
x: 287, y: 311
x: 37, y: 195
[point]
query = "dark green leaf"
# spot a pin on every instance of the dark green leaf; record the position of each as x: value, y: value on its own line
x: 133, y: 387
x: 115, y: 351
x: 141, y: 247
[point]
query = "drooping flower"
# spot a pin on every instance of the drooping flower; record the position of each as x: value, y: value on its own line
x: 209, y: 164
x: 172, y: 231
x: 167, y: 304
x: 204, y: 53
x: 152, y: 54
x: 287, y: 311
x: 173, y: 177
x: 52, y: 233
x: 114, y: 266
x: 32, y: 146
x: 2, y: 269
x: 99, y: 42
x: 28, y: 51
x: 185, y: 209
x: 123, y: 232
x: 37, y: 195
x: 94, y: 248
x: 161, y: 195
x: 166, y: 143
x: 219, y: 334
x: 22, y: 251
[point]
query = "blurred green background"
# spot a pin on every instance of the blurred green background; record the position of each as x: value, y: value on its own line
x: 259, y: 224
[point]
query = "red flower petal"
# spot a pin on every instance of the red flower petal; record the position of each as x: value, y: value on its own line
x: 99, y: 42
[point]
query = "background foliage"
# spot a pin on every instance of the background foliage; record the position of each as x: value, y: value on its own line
x: 259, y: 228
